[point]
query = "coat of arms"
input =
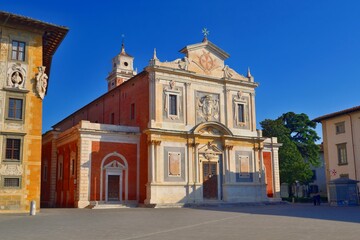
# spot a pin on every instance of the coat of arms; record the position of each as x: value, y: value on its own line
x: 208, y: 108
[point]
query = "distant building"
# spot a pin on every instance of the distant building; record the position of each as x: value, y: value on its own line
x: 178, y: 132
x: 341, y: 139
x: 26, y: 50
x: 318, y: 184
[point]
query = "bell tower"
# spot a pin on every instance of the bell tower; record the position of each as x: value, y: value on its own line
x: 122, y: 69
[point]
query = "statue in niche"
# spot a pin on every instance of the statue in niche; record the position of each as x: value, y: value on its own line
x: 41, y: 82
x: 16, y: 76
x: 16, y: 79
x: 208, y: 107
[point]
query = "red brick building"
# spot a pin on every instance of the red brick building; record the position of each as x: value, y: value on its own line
x: 178, y: 132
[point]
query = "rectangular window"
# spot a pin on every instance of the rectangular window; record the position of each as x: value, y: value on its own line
x: 240, y: 112
x: 60, y: 171
x: 342, y: 155
x: 112, y: 118
x: 132, y: 111
x: 344, y: 175
x: 340, y: 127
x: 11, y: 182
x: 72, y: 170
x: 18, y: 51
x: 12, y: 149
x: 173, y: 104
x: 15, y: 108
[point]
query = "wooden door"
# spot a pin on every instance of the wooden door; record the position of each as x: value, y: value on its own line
x: 113, y: 188
x: 210, y: 184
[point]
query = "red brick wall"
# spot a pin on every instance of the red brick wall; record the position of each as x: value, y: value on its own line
x: 66, y: 187
x: 45, y: 184
x: 118, y: 101
x: 99, y: 152
x: 269, y: 175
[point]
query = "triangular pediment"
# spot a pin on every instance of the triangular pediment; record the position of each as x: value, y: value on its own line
x: 114, y: 164
x: 203, y: 58
x: 209, y: 151
x: 210, y: 148
x: 208, y: 46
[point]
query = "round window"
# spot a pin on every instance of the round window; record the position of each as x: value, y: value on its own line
x: 126, y: 64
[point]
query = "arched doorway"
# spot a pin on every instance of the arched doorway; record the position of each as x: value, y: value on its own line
x: 114, y: 178
x: 211, y: 164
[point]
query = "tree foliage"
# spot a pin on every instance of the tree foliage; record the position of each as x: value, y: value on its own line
x: 299, y: 151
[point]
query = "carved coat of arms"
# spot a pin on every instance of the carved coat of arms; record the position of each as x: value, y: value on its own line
x: 208, y: 108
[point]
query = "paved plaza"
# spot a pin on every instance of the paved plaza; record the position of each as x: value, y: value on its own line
x: 290, y: 221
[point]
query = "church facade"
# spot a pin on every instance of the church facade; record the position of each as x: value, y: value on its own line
x: 180, y: 132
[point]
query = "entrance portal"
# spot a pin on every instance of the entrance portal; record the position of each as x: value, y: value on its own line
x: 210, y: 184
x: 113, y: 188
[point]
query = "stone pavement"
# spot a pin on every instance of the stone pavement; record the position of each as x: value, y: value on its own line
x: 291, y: 221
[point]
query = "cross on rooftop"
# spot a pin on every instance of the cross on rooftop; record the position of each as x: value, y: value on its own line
x: 205, y: 32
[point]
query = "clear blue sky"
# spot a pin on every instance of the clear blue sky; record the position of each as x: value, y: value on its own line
x: 305, y: 54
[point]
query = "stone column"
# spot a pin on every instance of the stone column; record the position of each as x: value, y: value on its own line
x: 156, y: 160
x: 186, y: 100
x: 196, y: 164
x: 228, y: 105
x: 190, y: 157
x: 276, y: 176
x: 252, y: 112
x: 262, y: 167
x: 256, y: 163
x: 227, y: 162
x: 151, y: 163
x: 84, y: 173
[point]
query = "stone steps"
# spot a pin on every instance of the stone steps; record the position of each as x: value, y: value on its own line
x: 113, y: 205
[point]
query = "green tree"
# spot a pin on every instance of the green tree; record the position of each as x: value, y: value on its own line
x: 302, y: 133
x: 299, y: 151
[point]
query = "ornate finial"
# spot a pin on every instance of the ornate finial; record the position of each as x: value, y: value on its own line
x: 154, y: 56
x: 205, y: 33
x: 122, y: 43
x: 249, y: 73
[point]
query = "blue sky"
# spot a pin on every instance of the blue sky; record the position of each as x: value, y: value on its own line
x: 305, y: 54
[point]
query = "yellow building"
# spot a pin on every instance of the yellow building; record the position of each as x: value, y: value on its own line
x: 341, y: 136
x: 26, y: 50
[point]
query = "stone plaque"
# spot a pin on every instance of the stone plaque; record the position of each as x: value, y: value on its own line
x: 244, y: 166
x: 174, y: 163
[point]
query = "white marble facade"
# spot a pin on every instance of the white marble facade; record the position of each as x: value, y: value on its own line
x: 203, y: 142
